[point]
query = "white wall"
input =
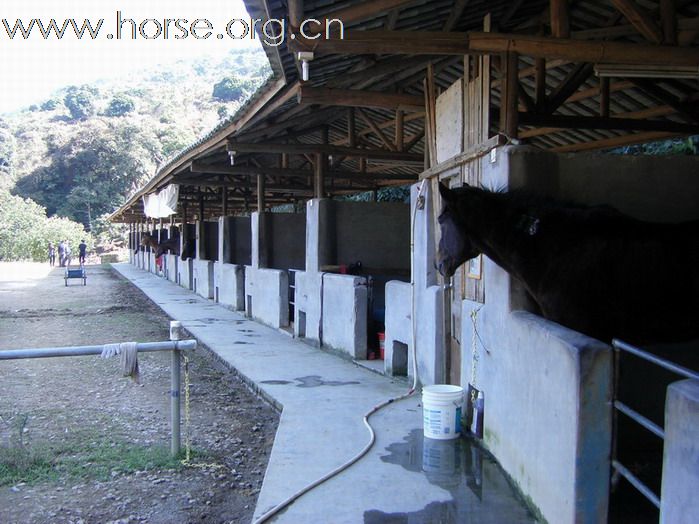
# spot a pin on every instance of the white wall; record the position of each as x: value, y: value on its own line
x: 345, y: 314
x: 269, y: 291
x: 171, y: 262
x: 229, y: 282
x: 679, y: 501
x: 203, y: 277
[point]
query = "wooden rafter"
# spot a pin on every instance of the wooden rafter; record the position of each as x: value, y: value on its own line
x: 560, y: 20
x: 271, y: 147
x: 440, y: 43
x: 569, y: 85
x: 686, y: 110
x: 356, y: 98
x: 640, y: 19
x: 377, y: 131
x: 455, y: 14
x: 583, y: 51
x: 668, y: 20
x: 590, y: 122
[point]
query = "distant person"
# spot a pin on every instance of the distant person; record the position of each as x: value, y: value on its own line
x: 52, y: 255
x: 82, y: 250
x: 66, y: 253
x: 62, y: 253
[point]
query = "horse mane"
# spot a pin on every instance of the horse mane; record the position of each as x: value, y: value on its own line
x: 546, y: 209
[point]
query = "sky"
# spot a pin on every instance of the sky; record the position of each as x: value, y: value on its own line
x: 32, y: 68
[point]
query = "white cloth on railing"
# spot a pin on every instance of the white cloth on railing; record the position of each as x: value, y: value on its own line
x: 128, y: 352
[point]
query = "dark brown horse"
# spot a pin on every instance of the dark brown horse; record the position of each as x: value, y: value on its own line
x: 592, y: 269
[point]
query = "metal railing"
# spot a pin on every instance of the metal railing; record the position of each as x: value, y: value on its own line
x: 175, y: 345
x: 617, y: 467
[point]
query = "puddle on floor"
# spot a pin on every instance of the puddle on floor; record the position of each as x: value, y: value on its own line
x: 479, y: 490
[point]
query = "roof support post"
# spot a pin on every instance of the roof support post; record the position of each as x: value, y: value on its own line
x: 508, y: 97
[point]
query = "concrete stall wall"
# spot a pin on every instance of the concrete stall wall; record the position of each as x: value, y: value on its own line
x: 234, y: 238
x: 679, y: 501
x: 286, y: 234
x: 344, y: 314
x: 267, y: 296
x: 240, y: 241
x: 398, y: 358
x: 206, y: 254
x: 203, y: 277
x: 428, y: 303
x: 377, y: 234
x: 211, y: 241
x: 267, y: 289
x: 655, y: 188
x: 185, y: 272
x: 171, y: 262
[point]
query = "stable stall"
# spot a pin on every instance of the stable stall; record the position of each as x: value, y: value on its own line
x: 234, y: 253
x: 340, y: 297
x: 206, y: 255
x: 278, y: 251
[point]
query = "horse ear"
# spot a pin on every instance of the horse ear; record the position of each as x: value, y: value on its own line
x: 446, y: 193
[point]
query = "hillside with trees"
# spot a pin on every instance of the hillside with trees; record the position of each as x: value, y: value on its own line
x: 83, y: 151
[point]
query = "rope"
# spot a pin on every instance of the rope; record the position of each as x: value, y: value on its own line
x: 128, y: 359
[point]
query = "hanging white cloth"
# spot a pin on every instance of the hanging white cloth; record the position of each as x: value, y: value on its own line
x: 162, y: 204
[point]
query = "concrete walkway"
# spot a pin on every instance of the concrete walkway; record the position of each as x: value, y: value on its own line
x: 323, y: 399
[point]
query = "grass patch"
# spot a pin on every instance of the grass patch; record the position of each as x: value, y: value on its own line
x: 19, y: 464
x: 86, y: 460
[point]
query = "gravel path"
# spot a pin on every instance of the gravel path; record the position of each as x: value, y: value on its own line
x: 97, y: 442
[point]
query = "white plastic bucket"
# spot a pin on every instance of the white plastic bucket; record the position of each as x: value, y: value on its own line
x: 441, y: 411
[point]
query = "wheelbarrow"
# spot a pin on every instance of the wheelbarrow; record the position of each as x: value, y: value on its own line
x: 75, y: 273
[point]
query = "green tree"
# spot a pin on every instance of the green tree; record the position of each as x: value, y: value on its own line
x: 94, y: 171
x: 120, y: 105
x: 49, y: 105
x: 228, y: 89
x: 25, y: 231
x: 80, y: 101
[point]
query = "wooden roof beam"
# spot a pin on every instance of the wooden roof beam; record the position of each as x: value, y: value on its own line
x: 455, y: 15
x: 560, y: 20
x: 569, y: 85
x: 279, y: 172
x: 640, y: 19
x: 300, y: 149
x: 439, y: 43
x: 604, y: 52
x: 593, y: 122
x: 355, y: 98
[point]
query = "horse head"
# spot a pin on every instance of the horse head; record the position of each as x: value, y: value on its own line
x: 147, y: 240
x: 455, y: 246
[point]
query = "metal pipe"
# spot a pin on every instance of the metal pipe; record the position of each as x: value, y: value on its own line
x: 643, y: 421
x: 175, y: 402
x: 675, y: 368
x: 636, y: 482
x: 175, y: 397
x: 77, y: 351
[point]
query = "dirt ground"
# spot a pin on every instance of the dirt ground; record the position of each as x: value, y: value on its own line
x: 98, y: 442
